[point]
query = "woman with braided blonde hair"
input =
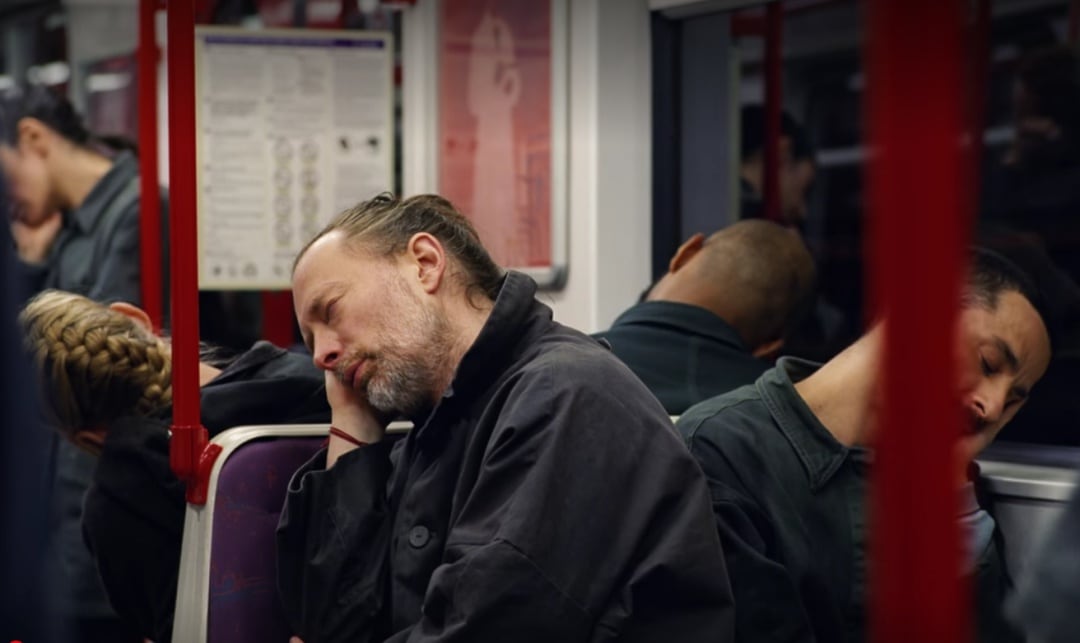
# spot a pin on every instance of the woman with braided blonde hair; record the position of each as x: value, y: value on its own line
x: 106, y: 381
x: 99, y: 363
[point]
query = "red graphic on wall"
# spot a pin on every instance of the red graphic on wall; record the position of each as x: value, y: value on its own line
x: 495, y: 123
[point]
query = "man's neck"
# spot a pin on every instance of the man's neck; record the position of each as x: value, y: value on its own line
x: 465, y: 322
x: 670, y: 289
x: 843, y: 393
x: 78, y: 174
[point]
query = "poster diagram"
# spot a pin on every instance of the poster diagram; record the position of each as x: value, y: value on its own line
x: 294, y: 127
x: 499, y: 85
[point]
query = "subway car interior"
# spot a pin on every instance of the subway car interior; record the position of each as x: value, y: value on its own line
x: 778, y: 218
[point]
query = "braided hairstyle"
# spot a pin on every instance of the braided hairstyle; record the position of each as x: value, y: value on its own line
x: 95, y: 364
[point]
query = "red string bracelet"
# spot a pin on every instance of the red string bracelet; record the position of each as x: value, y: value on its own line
x: 345, y: 436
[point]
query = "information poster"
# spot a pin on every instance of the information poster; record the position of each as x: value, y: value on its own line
x: 294, y: 127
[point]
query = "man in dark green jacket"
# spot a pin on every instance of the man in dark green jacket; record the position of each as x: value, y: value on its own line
x: 787, y: 462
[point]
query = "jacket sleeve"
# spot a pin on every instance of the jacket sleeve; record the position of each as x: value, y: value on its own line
x: 333, y: 569
x: 769, y: 606
x: 333, y: 544
x: 133, y: 523
x: 562, y: 536
x: 118, y: 279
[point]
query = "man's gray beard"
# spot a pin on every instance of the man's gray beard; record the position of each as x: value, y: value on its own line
x: 406, y: 385
x: 401, y: 389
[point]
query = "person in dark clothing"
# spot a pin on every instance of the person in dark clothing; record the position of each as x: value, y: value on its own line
x: 787, y: 461
x: 825, y: 329
x: 74, y: 212
x: 720, y: 313
x: 25, y: 606
x: 74, y: 217
x: 542, y: 496
x: 797, y: 166
x: 107, y: 384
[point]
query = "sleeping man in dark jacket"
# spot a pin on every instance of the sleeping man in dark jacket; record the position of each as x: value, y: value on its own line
x: 542, y: 495
x: 788, y: 458
x: 107, y: 384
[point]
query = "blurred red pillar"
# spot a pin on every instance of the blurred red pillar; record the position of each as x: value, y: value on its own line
x: 917, y: 220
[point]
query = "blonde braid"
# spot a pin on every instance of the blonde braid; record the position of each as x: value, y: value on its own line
x: 95, y: 363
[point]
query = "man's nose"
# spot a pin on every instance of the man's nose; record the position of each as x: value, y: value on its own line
x: 326, y: 354
x: 988, y: 407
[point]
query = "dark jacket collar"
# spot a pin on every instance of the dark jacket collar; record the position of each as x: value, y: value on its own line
x: 516, y: 318
x: 124, y: 168
x: 820, y: 453
x: 684, y: 318
x: 515, y: 311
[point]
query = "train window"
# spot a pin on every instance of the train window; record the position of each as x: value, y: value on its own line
x: 1029, y: 170
x: 1024, y: 119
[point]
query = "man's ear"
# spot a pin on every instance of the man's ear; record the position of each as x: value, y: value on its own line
x: 428, y: 257
x: 33, y: 136
x: 134, y: 312
x: 768, y: 350
x: 686, y: 252
x: 90, y: 440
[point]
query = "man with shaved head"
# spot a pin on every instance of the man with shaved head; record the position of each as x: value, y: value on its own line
x: 713, y: 322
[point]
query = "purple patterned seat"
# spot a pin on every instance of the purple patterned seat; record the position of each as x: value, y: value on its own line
x: 244, y: 606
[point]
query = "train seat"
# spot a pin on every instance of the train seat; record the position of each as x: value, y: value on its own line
x: 227, y: 585
x: 1030, y: 486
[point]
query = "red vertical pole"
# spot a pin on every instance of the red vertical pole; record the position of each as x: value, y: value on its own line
x: 149, y: 201
x: 917, y: 219
x: 774, y: 36
x: 278, y: 317
x: 188, y: 436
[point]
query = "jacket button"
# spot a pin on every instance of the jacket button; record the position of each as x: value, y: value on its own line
x: 419, y: 536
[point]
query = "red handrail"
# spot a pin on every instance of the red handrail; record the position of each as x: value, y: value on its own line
x: 917, y: 218
x: 189, y: 438
x: 277, y: 307
x: 774, y: 35
x: 149, y: 201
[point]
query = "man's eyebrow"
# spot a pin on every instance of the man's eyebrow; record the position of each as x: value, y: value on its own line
x: 315, y: 305
x: 1008, y: 353
x: 319, y: 300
